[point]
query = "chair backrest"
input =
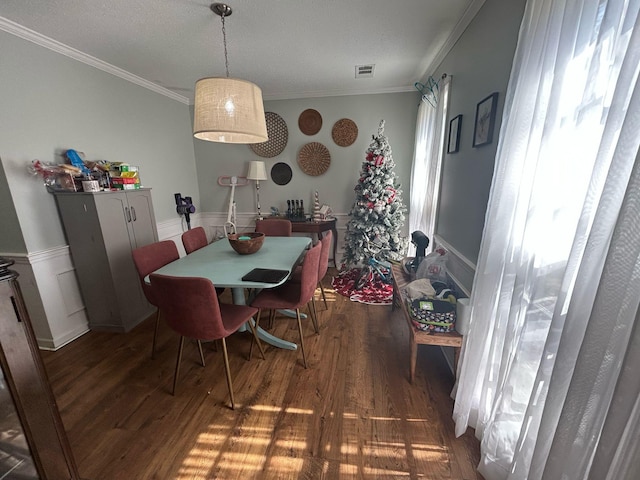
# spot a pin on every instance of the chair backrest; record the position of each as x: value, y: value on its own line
x: 190, y: 306
x: 309, y: 273
x: 275, y: 227
x: 194, y: 239
x: 323, y: 266
x: 151, y: 257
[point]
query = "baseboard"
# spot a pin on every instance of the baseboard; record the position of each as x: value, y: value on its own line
x: 61, y: 341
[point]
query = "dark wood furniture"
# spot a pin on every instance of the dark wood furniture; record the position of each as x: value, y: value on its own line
x: 28, y: 386
x: 317, y: 228
x: 418, y: 337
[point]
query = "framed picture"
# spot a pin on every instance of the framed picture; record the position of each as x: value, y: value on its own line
x: 485, y: 120
x: 453, y: 145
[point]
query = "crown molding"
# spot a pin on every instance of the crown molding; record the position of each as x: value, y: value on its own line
x: 338, y: 93
x: 453, y: 37
x: 46, y: 42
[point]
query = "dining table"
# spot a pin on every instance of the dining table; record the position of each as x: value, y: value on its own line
x: 221, y: 264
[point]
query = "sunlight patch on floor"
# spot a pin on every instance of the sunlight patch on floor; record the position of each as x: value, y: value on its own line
x: 231, y: 453
x: 384, y: 473
x: 348, y: 449
x: 291, y: 444
x: 346, y: 469
x: 285, y: 465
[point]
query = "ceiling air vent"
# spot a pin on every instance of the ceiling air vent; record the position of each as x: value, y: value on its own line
x: 364, y: 71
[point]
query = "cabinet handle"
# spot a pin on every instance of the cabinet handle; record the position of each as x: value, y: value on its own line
x: 128, y: 214
x: 133, y: 213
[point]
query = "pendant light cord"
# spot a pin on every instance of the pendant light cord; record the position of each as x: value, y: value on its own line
x: 224, y: 42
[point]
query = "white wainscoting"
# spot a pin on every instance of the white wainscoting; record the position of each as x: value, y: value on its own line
x: 462, y: 271
x: 213, y: 223
x: 460, y: 268
x: 52, y: 296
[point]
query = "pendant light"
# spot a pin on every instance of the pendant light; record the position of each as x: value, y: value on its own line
x: 228, y: 110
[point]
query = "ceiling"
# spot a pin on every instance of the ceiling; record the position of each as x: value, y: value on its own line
x: 291, y: 49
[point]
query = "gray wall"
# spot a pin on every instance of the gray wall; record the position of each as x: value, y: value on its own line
x: 335, y: 186
x: 11, y: 238
x: 51, y: 103
x: 480, y: 64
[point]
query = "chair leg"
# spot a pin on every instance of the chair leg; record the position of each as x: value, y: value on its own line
x: 175, y: 375
x: 155, y: 335
x: 228, y: 372
x: 314, y: 316
x: 201, y: 353
x: 255, y: 336
x: 304, y: 355
x: 324, y: 298
x: 313, y: 303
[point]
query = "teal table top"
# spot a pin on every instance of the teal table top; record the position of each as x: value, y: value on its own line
x: 225, y: 268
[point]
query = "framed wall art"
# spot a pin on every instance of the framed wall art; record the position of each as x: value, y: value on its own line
x: 453, y: 145
x: 485, y: 120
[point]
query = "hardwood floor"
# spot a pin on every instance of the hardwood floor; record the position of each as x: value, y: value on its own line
x: 351, y: 415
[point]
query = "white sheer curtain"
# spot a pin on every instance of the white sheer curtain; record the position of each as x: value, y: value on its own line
x: 427, y: 162
x: 552, y: 308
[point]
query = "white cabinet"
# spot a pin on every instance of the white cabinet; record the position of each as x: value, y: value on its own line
x: 102, y: 229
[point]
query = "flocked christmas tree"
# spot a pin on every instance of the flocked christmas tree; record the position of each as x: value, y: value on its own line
x: 377, y: 216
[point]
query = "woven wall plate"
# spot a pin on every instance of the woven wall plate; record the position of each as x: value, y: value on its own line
x: 281, y: 173
x: 278, y: 136
x: 344, y: 132
x: 314, y: 159
x: 310, y: 121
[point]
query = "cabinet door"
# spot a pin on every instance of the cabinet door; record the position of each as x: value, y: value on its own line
x: 116, y: 223
x: 84, y: 234
x: 143, y: 220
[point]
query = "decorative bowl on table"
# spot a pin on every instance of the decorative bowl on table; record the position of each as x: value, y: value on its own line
x: 246, y: 243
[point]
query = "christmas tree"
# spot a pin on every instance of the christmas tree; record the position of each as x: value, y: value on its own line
x: 377, y: 216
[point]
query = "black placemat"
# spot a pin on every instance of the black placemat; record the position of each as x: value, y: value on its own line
x: 265, y: 275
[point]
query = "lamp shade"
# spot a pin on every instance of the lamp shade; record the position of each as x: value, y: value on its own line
x: 229, y: 110
x: 257, y: 171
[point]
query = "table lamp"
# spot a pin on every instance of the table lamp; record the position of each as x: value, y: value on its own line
x: 257, y: 172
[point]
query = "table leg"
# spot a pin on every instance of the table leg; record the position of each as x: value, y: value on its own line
x: 334, y: 230
x: 238, y: 299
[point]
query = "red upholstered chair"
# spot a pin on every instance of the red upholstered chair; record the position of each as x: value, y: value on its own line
x: 194, y: 239
x: 294, y: 295
x: 323, y: 265
x: 190, y: 306
x: 148, y: 259
x: 275, y: 227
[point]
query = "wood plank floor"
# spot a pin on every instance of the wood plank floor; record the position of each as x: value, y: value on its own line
x: 351, y: 415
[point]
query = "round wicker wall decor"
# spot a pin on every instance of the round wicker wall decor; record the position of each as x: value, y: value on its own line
x: 314, y: 159
x: 278, y: 136
x: 281, y: 173
x: 344, y: 132
x: 310, y: 121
